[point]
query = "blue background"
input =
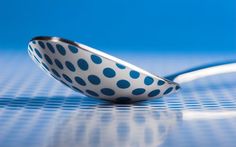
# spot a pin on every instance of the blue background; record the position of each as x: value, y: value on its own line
x: 32, y: 103
x: 134, y: 25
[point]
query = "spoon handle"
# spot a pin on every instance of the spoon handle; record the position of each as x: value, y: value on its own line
x: 203, y: 71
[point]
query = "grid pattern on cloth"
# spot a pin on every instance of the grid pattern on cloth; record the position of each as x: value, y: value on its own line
x: 36, y: 110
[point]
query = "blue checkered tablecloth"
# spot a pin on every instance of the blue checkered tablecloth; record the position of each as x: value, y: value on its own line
x: 37, y: 111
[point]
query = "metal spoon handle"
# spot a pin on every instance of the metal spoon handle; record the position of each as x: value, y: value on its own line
x: 203, y: 71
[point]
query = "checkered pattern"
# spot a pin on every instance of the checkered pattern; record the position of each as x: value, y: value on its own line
x: 36, y: 110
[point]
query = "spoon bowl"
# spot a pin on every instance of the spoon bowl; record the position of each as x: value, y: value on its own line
x: 95, y: 73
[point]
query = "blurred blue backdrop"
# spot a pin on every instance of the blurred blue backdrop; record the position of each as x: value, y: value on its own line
x: 122, y: 25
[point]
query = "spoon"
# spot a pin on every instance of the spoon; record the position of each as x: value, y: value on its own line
x: 99, y: 75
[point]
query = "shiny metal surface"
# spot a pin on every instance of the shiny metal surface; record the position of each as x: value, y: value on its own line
x: 96, y: 74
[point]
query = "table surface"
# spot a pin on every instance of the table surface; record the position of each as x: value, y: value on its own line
x: 36, y: 110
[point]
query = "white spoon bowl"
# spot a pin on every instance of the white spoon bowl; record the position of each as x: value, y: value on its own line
x: 95, y: 73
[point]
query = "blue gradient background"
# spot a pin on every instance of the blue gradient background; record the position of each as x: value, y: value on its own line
x: 134, y: 25
x: 160, y: 36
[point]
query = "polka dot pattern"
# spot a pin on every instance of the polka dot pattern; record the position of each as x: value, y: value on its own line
x: 168, y: 90
x: 55, y: 73
x: 50, y: 47
x: 48, y: 59
x: 37, y: 59
x: 92, y: 93
x: 134, y: 74
x: 160, y: 82
x: 80, y: 81
x: 70, y: 66
x: 38, y: 53
x: 148, y: 80
x: 58, y: 63
x: 154, y: 93
x: 68, y: 79
x: 77, y: 89
x: 73, y: 49
x: 123, y: 84
x: 109, y: 72
x: 41, y: 44
x: 31, y: 50
x: 96, y: 59
x: 54, y: 76
x: 94, y: 79
x: 83, y: 65
x: 120, y: 66
x: 138, y: 91
x: 64, y: 83
x: 177, y: 87
x: 45, y: 66
x: 61, y: 49
x: 108, y: 91
x: 96, y: 76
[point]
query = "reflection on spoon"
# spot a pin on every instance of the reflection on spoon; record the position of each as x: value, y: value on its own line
x: 115, y: 127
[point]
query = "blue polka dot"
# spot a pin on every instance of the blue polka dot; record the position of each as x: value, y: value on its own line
x: 138, y: 91
x: 83, y: 65
x: 56, y: 73
x: 77, y: 89
x: 64, y: 83
x: 80, y: 81
x: 41, y: 44
x: 168, y: 90
x: 154, y: 93
x: 108, y: 91
x: 36, y: 59
x: 134, y: 74
x: 50, y: 47
x: 177, y: 87
x: 161, y: 82
x: 90, y: 92
x: 73, y: 49
x: 120, y: 66
x: 96, y: 59
x: 148, y: 80
x: 68, y: 79
x: 123, y: 84
x: 70, y: 66
x: 109, y: 72
x: 54, y: 76
x: 38, y: 53
x: 58, y: 63
x: 61, y: 49
x: 30, y: 48
x: 94, y: 79
x: 48, y: 59
x: 123, y: 100
x: 44, y: 65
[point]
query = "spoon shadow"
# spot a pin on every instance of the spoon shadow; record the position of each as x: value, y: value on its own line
x: 60, y: 102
